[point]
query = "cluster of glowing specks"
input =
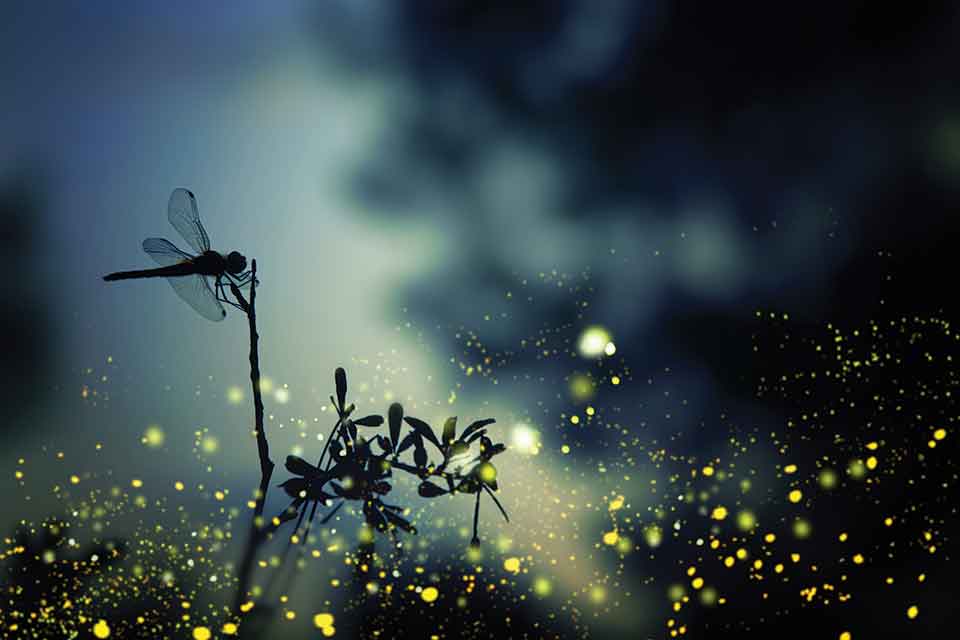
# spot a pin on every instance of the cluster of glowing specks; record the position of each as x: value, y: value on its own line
x: 875, y: 404
x: 161, y: 574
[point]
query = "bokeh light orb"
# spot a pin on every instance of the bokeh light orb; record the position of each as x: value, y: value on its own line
x: 593, y: 342
x: 525, y: 440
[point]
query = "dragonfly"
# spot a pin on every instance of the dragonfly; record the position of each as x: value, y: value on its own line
x: 190, y: 275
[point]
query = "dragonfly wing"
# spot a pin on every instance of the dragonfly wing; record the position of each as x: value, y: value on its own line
x: 196, y: 291
x: 164, y: 252
x: 185, y: 218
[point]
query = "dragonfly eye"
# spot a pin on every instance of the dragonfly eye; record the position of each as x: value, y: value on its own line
x: 236, y: 263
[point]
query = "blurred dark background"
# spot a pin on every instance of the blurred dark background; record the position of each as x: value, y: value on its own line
x: 680, y: 165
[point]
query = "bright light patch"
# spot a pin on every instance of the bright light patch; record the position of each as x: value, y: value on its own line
x: 235, y: 394
x: 593, y: 342
x: 153, y: 437
x: 525, y: 439
x: 282, y: 395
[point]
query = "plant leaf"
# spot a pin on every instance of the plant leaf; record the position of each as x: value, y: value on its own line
x: 395, y: 417
x: 423, y: 429
x: 407, y: 442
x: 420, y: 454
x: 478, y: 434
x: 449, y: 430
x: 340, y: 376
x: 298, y: 466
x: 369, y: 421
x: 429, y: 490
x: 474, y: 426
x: 294, y: 486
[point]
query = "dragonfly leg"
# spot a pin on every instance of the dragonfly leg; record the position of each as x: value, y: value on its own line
x: 222, y: 295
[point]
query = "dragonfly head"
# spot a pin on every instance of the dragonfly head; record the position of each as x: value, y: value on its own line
x: 236, y: 262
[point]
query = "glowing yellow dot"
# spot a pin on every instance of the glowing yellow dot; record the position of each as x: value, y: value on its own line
x: 542, y: 587
x: 229, y: 629
x: 746, y: 520
x: 235, y: 394
x: 487, y: 472
x: 210, y: 444
x: 790, y: 468
x: 610, y: 537
x: 74, y: 480
x: 871, y: 463
x: 719, y: 513
x: 769, y: 538
x: 696, y: 583
x: 201, y: 633
x: 430, y: 594
x: 593, y: 341
x: 136, y: 483
x: 512, y: 565
x: 858, y: 559
x: 565, y: 449
x: 101, y: 629
x: 575, y: 419
x: 328, y: 631
x: 290, y: 615
x: 795, y: 496
x: 322, y: 620
x: 178, y: 485
x: 913, y: 612
x: 153, y: 436
x: 846, y: 635
x: 708, y: 471
x: 728, y: 561
x: 615, y: 380
x: 939, y: 434
x: 742, y: 554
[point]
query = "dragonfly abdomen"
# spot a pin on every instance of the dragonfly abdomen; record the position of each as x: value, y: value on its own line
x: 182, y: 269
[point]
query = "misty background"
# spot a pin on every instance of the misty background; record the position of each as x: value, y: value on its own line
x: 399, y: 168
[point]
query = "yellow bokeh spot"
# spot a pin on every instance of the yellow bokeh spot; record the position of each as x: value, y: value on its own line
x: 229, y: 629
x: 746, y: 520
x: 430, y: 594
x: 512, y: 565
x: 653, y: 536
x: 581, y: 387
x: 210, y: 444
x: 790, y: 468
x: 696, y: 583
x: 795, y: 496
x: 593, y: 341
x: 616, y: 504
x: 615, y: 380
x: 913, y: 612
x: 487, y: 472
x: 610, y: 537
x: 871, y: 463
x: 153, y: 436
x: 846, y: 635
x: 322, y: 620
x: 719, y: 513
x: 939, y: 434
x: 542, y: 587
x: 235, y: 394
x: 201, y: 633
x: 708, y: 471
x: 101, y: 629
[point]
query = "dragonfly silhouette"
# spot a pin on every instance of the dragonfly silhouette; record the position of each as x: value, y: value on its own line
x: 188, y: 274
